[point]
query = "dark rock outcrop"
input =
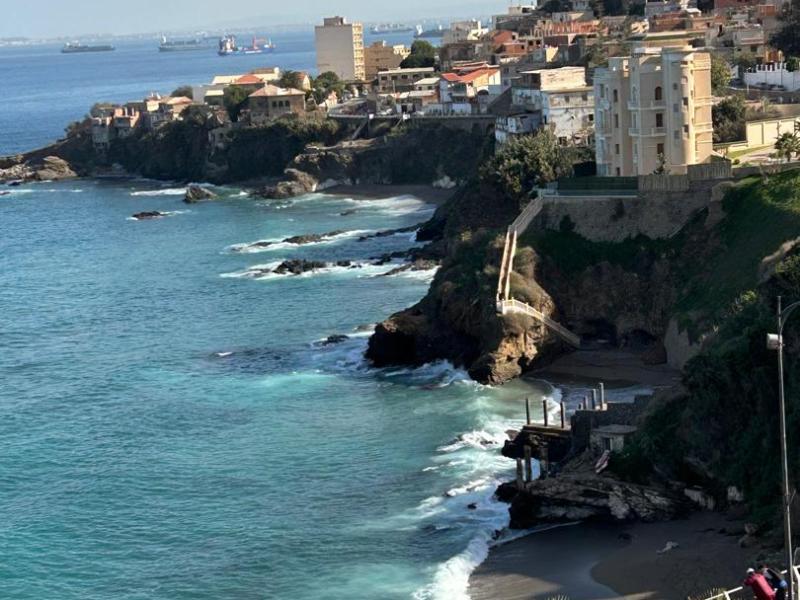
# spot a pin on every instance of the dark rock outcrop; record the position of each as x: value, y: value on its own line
x: 152, y: 214
x: 298, y: 266
x: 568, y: 498
x: 196, y: 193
x: 311, y: 238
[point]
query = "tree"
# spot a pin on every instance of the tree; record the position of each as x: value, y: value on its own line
x: 291, y: 79
x: 662, y: 168
x: 528, y: 161
x: 745, y: 62
x: 787, y: 145
x: 728, y: 117
x: 234, y: 99
x: 326, y: 83
x: 184, y: 90
x: 786, y: 38
x: 423, y: 54
x: 792, y: 64
x: 720, y: 75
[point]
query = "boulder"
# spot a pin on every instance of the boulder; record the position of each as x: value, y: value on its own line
x: 196, y: 193
x: 336, y: 338
x: 53, y: 168
x: 311, y: 238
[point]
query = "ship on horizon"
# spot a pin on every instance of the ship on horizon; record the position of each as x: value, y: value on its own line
x: 182, y: 45
x: 76, y: 48
x: 227, y: 46
x: 391, y: 28
x: 429, y: 33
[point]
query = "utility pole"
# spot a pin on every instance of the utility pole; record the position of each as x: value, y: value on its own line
x: 775, y: 342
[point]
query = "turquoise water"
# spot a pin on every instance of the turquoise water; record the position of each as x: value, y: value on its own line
x: 171, y: 430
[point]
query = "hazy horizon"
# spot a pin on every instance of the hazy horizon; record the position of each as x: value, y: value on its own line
x: 85, y: 17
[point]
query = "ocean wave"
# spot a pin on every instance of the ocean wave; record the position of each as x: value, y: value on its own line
x: 161, y: 192
x: 266, y: 271
x: 394, y: 206
x: 270, y: 245
x: 476, y: 439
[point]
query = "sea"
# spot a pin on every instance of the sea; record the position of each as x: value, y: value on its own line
x: 174, y: 421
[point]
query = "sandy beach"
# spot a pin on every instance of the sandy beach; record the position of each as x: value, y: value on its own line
x: 602, y: 562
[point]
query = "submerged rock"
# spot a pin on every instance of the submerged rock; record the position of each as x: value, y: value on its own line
x: 336, y: 338
x: 152, y: 214
x: 311, y: 238
x: 196, y: 193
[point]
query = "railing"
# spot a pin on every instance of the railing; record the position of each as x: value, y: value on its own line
x: 506, y: 304
x: 740, y: 593
x: 515, y: 306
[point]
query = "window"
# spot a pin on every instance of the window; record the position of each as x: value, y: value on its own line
x: 585, y: 97
x: 616, y: 148
x: 591, y: 118
x: 602, y: 91
x: 659, y: 119
x: 685, y: 101
x: 675, y: 107
x: 616, y: 95
x: 659, y: 148
x: 658, y: 93
x: 676, y: 134
x: 618, y: 172
x: 616, y: 121
x: 686, y: 130
x: 675, y: 86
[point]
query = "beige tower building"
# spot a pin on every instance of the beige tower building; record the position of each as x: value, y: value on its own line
x: 653, y: 108
x: 340, y: 48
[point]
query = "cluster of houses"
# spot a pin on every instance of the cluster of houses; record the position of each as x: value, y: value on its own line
x: 266, y: 100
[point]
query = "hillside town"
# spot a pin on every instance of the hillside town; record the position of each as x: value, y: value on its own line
x: 653, y: 87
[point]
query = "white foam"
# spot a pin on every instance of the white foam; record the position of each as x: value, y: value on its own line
x: 356, y: 269
x: 396, y: 206
x: 279, y: 244
x: 162, y: 192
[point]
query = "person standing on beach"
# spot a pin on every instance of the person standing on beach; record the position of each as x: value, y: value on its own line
x: 775, y: 580
x: 757, y: 583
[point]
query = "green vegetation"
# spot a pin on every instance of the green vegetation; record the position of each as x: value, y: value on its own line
x: 326, y: 83
x: 234, y: 100
x: 787, y: 145
x: 291, y: 79
x: 728, y: 118
x: 720, y: 75
x: 527, y: 162
x: 258, y: 151
x: 423, y: 54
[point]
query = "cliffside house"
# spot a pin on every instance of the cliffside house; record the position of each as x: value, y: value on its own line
x: 653, y: 110
x: 554, y: 99
x: 459, y: 89
x: 272, y: 101
x: 392, y: 81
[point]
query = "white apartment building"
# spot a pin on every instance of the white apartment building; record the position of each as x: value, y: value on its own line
x: 653, y: 107
x: 464, y: 31
x: 340, y: 48
x: 554, y: 99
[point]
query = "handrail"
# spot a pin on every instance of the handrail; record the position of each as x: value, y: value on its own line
x: 507, y: 304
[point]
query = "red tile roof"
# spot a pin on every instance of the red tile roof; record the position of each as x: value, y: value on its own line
x: 469, y: 75
x: 248, y: 80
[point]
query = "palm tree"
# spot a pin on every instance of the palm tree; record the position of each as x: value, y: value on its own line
x: 787, y: 145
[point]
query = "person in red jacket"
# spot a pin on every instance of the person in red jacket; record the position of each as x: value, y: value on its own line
x: 758, y: 583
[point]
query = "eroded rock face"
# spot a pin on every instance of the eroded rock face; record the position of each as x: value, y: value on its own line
x: 569, y: 498
x: 196, y: 193
x: 49, y: 168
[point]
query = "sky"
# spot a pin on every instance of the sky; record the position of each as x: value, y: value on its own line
x: 57, y: 18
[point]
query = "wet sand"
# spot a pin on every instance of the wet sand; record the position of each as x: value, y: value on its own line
x: 600, y: 562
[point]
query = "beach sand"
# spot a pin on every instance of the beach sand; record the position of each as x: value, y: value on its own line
x: 599, y: 562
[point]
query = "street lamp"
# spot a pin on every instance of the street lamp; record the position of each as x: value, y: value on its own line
x: 775, y: 342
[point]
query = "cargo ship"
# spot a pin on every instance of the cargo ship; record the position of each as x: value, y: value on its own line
x: 429, y: 33
x: 391, y: 28
x: 75, y: 48
x: 227, y: 46
x: 181, y: 45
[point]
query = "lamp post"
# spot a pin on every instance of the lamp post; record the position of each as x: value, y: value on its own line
x: 775, y: 342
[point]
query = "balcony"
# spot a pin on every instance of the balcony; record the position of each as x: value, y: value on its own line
x: 646, y: 131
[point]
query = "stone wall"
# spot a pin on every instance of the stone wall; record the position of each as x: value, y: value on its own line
x: 616, y: 413
x: 616, y: 218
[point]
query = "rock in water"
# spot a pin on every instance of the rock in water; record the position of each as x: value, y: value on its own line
x: 53, y: 168
x: 195, y: 193
x: 336, y: 338
x: 298, y: 266
x: 151, y: 214
x: 311, y: 238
